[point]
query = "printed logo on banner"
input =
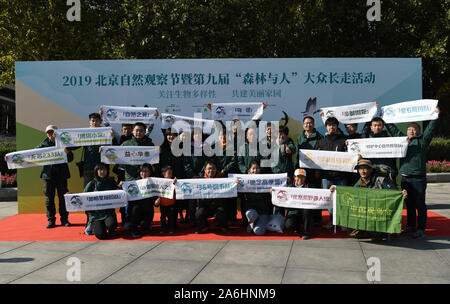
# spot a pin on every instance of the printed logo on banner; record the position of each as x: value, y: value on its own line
x: 348, y: 198
x: 133, y: 190
x: 65, y: 137
x: 389, y: 111
x: 282, y: 196
x: 308, y: 158
x: 220, y: 111
x: 186, y: 188
x: 17, y: 159
x: 329, y: 113
x: 111, y: 114
x: 354, y: 147
x: 76, y: 201
x: 111, y: 154
x: 241, y: 183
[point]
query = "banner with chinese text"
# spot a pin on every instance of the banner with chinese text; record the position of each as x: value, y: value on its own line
x: 259, y: 183
x: 385, y: 147
x: 328, y: 160
x: 302, y: 198
x: 129, y: 155
x: 98, y: 200
x: 377, y: 210
x: 350, y: 114
x: 206, y: 188
x: 36, y: 157
x: 242, y: 111
x: 149, y: 187
x: 128, y: 115
x: 83, y: 137
x: 416, y: 110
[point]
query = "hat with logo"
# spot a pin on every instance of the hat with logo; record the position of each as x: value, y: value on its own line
x: 299, y: 172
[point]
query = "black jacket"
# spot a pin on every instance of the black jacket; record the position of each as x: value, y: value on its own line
x: 333, y: 142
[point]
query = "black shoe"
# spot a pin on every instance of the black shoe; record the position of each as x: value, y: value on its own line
x: 51, y: 225
x: 136, y: 234
x: 66, y: 223
x: 202, y: 230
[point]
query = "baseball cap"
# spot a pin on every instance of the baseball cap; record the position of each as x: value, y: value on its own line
x: 50, y: 127
x: 300, y: 172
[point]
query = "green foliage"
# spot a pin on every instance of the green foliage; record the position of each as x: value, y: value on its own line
x: 5, y: 148
x: 117, y: 29
x: 439, y: 149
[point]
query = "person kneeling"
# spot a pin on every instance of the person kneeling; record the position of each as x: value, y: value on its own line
x: 102, y: 221
x: 215, y: 207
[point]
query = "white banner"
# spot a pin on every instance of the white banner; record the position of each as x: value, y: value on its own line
x: 98, y: 200
x: 302, y: 198
x: 241, y: 111
x: 149, y: 187
x: 36, y: 157
x: 385, y: 147
x: 185, y: 123
x: 83, y: 137
x: 259, y: 183
x: 206, y: 188
x: 128, y: 115
x: 130, y: 155
x: 416, y: 110
x: 349, y: 114
x: 328, y: 160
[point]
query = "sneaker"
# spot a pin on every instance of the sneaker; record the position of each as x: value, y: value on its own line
x: 201, y: 230
x: 409, y: 230
x: 66, y: 223
x: 378, y: 237
x: 420, y: 234
x: 88, y: 230
x: 344, y: 229
x: 306, y: 237
x: 135, y: 234
x: 249, y: 229
x: 50, y: 225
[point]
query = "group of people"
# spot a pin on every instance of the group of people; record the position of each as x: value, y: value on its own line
x: 256, y: 208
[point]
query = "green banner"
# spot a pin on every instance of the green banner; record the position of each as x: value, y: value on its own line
x: 378, y: 210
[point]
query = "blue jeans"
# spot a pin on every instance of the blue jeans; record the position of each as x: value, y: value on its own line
x: 327, y: 183
x: 416, y: 187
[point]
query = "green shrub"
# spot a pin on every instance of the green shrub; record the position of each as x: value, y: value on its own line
x: 5, y: 148
x: 439, y: 149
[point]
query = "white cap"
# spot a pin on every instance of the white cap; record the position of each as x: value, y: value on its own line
x: 50, y: 127
x: 300, y: 172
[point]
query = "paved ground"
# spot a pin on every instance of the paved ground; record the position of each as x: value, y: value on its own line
x: 280, y: 261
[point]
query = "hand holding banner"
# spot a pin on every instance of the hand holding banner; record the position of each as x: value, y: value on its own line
x: 349, y: 114
x: 129, y: 155
x: 83, y: 137
x: 36, y: 157
x: 385, y: 147
x: 416, y: 110
x: 98, y: 200
x: 328, y: 160
x: 241, y: 111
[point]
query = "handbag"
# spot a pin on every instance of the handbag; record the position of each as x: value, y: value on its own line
x: 80, y: 165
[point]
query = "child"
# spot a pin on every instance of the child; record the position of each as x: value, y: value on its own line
x: 101, y: 221
x: 214, y: 207
x: 295, y: 217
x: 257, y: 206
x: 168, y: 205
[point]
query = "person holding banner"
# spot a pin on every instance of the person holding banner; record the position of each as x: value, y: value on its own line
x: 215, y: 207
x: 250, y: 151
x: 375, y: 129
x: 352, y: 134
x: 102, y: 222
x: 257, y: 206
x: 55, y: 179
x: 168, y: 205
x: 333, y: 141
x: 286, y: 152
x: 91, y: 154
x: 308, y: 140
x: 296, y: 217
x: 413, y: 171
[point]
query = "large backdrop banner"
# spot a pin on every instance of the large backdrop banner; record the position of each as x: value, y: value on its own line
x: 63, y: 93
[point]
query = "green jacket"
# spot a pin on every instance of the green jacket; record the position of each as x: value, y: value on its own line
x: 305, y: 142
x: 416, y: 157
x: 380, y: 162
x: 54, y: 172
x: 131, y: 171
x: 195, y: 165
x: 284, y: 164
x: 245, y: 160
x: 226, y: 163
x: 377, y: 182
x: 91, y: 157
x: 98, y: 184
x: 166, y: 158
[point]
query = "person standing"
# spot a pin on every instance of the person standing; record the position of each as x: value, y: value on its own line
x: 414, y: 174
x: 55, y: 180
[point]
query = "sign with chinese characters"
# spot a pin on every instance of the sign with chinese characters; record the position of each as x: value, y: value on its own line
x: 328, y: 160
x: 149, y: 187
x: 179, y: 123
x: 206, y: 188
x: 349, y: 114
x: 98, y: 200
x: 128, y: 115
x: 259, y: 183
x: 129, y: 155
x: 36, y: 157
x: 417, y: 110
x: 378, y: 210
x: 242, y: 111
x: 83, y: 137
x: 302, y: 198
x: 385, y: 147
